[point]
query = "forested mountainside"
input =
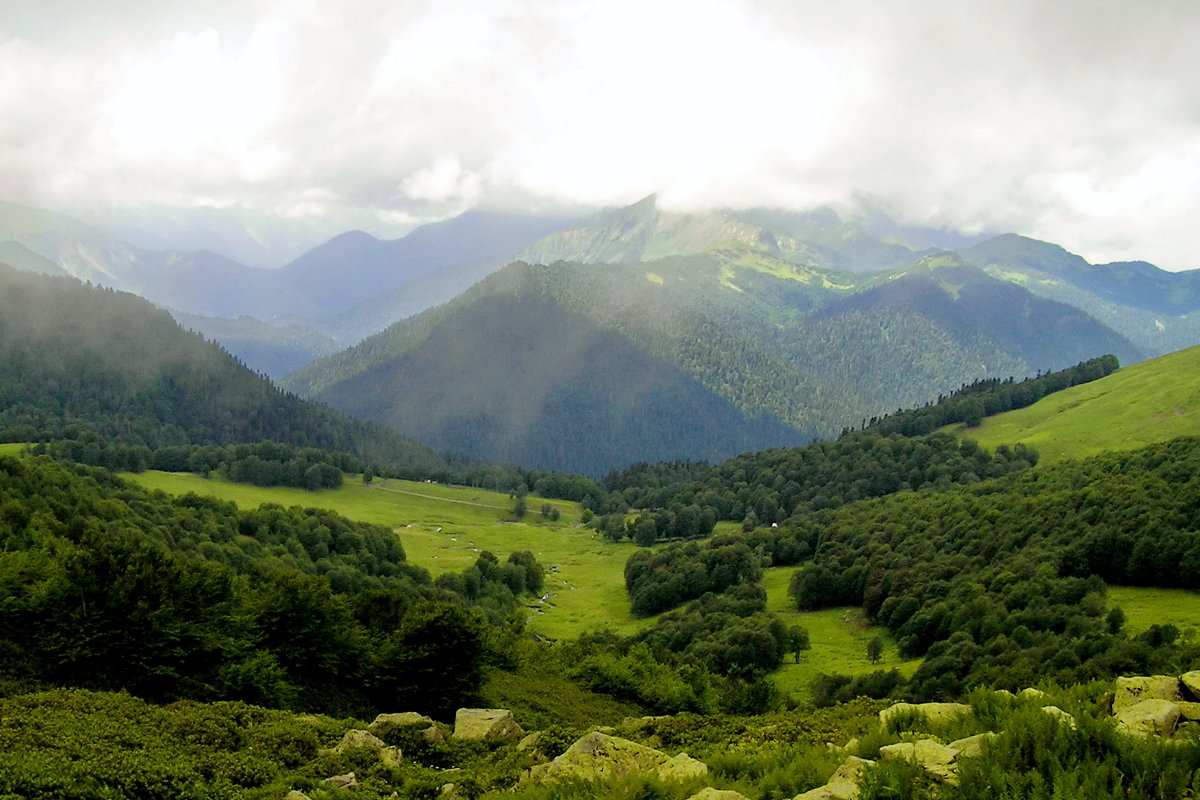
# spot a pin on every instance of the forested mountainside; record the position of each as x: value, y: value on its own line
x: 520, y: 379
x: 643, y: 232
x: 79, y: 357
x: 816, y: 351
x: 1158, y: 311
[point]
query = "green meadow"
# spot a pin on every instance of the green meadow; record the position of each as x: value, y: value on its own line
x: 1146, y: 607
x: 12, y: 448
x: 1148, y: 402
x: 444, y: 528
x: 838, y: 636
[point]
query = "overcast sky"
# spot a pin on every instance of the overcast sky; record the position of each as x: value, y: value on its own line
x: 1076, y: 121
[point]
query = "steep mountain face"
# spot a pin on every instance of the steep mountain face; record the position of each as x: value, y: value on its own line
x: 517, y: 378
x: 941, y: 318
x: 86, y: 357
x: 644, y: 232
x: 816, y: 351
x: 1159, y: 311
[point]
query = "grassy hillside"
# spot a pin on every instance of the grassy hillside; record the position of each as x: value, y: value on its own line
x: 839, y: 638
x: 444, y: 528
x: 1138, y: 405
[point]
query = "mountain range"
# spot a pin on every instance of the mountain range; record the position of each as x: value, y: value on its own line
x: 761, y: 326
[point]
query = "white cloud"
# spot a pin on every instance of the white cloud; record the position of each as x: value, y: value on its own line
x: 1077, y: 121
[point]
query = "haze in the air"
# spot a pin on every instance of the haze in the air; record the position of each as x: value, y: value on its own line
x: 1076, y: 122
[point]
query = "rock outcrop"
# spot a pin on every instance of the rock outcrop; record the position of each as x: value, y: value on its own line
x: 475, y: 724
x: 1153, y: 717
x: 709, y: 793
x: 1191, y: 682
x: 598, y: 756
x: 1133, y: 690
x: 972, y: 746
x: 934, y: 713
x: 347, y: 781
x: 935, y: 758
x: 408, y: 719
x: 843, y: 784
x: 388, y: 756
x: 1062, y: 716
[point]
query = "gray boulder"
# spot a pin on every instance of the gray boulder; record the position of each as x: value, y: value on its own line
x: 709, y: 793
x: 347, y: 781
x: 1062, y: 716
x: 407, y: 719
x: 934, y: 713
x: 844, y: 784
x: 389, y: 756
x: 599, y: 756
x: 475, y: 724
x: 935, y: 758
x: 1133, y: 690
x: 1191, y: 682
x: 1189, y: 711
x: 1153, y: 717
x: 971, y: 746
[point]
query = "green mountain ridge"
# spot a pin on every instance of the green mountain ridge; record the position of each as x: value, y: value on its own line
x: 1158, y: 311
x: 84, y: 357
x: 774, y: 339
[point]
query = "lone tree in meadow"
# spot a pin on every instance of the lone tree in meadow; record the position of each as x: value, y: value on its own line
x: 875, y: 650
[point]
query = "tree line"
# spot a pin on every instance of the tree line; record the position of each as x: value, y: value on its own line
x: 111, y: 586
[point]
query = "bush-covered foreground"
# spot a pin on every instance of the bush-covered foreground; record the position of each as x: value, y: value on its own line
x: 82, y: 744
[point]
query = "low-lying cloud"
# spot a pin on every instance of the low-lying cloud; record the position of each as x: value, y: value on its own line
x: 1075, y: 121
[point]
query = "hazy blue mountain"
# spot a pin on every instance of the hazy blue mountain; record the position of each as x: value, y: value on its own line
x: 1159, y: 311
x: 271, y: 350
x: 197, y: 282
x: 355, y: 267
x: 20, y: 257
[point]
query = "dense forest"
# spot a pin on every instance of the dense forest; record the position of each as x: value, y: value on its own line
x: 109, y: 586
x: 999, y: 583
x: 78, y: 357
x: 771, y: 485
x: 986, y: 397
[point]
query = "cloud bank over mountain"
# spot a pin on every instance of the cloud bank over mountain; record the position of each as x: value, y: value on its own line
x: 1074, y: 121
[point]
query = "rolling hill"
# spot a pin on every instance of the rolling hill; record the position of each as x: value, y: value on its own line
x: 1138, y: 405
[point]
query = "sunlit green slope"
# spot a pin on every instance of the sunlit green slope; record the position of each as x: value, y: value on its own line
x: 1148, y: 402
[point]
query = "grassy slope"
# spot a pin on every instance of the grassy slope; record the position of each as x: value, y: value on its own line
x: 443, y: 528
x: 1148, y: 402
x: 12, y: 448
x: 1146, y: 607
x: 838, y: 636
